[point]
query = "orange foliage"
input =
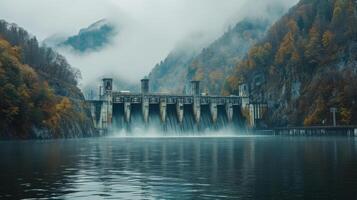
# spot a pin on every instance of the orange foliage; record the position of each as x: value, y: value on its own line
x: 326, y: 38
x: 286, y: 48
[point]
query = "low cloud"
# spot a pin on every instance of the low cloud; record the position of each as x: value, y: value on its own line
x: 149, y: 29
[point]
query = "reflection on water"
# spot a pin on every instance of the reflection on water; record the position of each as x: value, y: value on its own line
x: 181, y: 168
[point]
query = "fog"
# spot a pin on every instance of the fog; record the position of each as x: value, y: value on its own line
x: 149, y: 29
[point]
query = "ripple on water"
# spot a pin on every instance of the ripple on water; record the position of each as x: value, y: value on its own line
x: 181, y: 168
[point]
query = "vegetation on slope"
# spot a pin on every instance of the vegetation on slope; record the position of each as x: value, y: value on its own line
x: 306, y: 64
x: 169, y: 76
x: 39, y: 96
x: 211, y: 64
x: 216, y: 61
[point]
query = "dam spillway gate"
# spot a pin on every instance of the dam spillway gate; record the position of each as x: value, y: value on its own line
x: 195, y: 112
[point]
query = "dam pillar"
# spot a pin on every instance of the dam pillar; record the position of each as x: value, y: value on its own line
x: 93, y: 114
x: 195, y: 92
x: 229, y: 111
x: 179, y: 110
x: 244, y: 95
x: 107, y: 107
x: 252, y: 115
x: 145, y: 108
x: 214, y: 111
x: 109, y: 112
x: 127, y: 111
x: 197, y: 109
x: 163, y: 110
x: 104, y: 118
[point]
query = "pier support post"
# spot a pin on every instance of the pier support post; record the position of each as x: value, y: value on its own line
x: 127, y: 111
x: 214, y: 111
x: 179, y: 110
x: 163, y: 106
x: 145, y: 109
x: 197, y: 109
x: 229, y: 111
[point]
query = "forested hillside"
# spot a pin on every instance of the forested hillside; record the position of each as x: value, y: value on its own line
x: 216, y: 61
x: 170, y: 74
x: 306, y: 64
x: 39, y: 93
x: 211, y: 64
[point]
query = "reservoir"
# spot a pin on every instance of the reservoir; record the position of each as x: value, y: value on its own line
x: 242, y: 167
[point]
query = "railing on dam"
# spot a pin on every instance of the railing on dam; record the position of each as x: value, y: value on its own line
x: 173, y: 99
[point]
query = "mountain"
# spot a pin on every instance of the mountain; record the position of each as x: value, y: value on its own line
x: 305, y: 65
x: 170, y: 75
x: 217, y: 60
x: 39, y: 93
x: 210, y: 64
x: 92, y: 38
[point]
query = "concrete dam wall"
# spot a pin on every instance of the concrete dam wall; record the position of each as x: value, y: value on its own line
x: 190, y: 113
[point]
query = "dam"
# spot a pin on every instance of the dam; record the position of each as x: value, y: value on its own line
x: 195, y: 112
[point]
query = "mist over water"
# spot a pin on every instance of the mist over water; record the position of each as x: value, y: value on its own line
x: 153, y: 132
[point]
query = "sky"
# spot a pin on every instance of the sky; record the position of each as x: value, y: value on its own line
x: 149, y: 29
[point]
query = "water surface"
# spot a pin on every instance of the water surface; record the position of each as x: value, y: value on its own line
x: 267, y: 167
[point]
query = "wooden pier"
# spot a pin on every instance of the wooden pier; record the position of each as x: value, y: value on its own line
x: 317, y: 131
